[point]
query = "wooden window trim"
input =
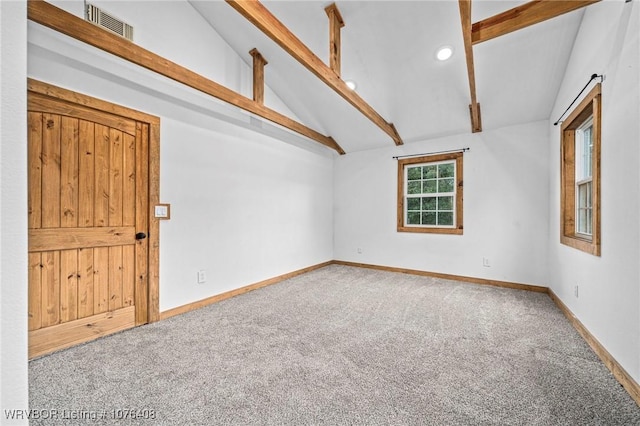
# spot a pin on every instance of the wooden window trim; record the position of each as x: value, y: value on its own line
x: 590, y: 105
x: 458, y: 228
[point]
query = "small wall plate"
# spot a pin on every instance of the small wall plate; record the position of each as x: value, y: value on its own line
x: 162, y: 211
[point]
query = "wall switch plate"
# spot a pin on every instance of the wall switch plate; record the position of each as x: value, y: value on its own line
x: 162, y: 211
x: 359, y: 250
x: 485, y: 262
x: 202, y: 277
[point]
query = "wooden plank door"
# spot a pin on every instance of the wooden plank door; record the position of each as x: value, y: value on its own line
x: 88, y: 222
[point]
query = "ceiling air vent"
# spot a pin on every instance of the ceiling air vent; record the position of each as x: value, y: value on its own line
x: 111, y: 23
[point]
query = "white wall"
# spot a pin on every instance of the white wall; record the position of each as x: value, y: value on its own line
x: 505, y: 208
x: 175, y: 30
x: 244, y: 206
x: 608, y: 301
x: 13, y: 209
x: 254, y: 204
x: 243, y: 210
x: 254, y: 199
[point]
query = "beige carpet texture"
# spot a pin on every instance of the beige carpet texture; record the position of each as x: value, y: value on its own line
x: 341, y: 346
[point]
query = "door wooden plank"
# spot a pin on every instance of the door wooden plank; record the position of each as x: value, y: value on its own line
x: 35, y: 291
x: 116, y: 162
x: 75, y: 238
x: 51, y: 171
x: 50, y: 296
x: 35, y: 169
x: 101, y: 188
x: 42, y: 103
x: 86, y: 170
x: 100, y: 280
x: 115, y: 178
x: 69, y: 172
x: 115, y: 278
x: 40, y: 88
x: 153, y: 268
x: 129, y: 181
x: 128, y: 275
x: 81, y: 330
x: 142, y: 214
x: 68, y: 285
x: 85, y: 282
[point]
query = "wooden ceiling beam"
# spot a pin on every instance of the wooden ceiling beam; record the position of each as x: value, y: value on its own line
x: 474, y: 107
x: 335, y: 23
x: 259, y: 16
x: 523, y: 16
x: 59, y: 20
x: 258, y: 75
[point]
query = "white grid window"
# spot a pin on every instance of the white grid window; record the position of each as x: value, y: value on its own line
x: 430, y: 194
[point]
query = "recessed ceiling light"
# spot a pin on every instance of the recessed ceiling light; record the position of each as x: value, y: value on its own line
x: 351, y: 84
x: 444, y: 53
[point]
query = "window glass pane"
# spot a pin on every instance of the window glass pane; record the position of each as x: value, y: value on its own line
x: 414, y: 173
x: 582, y: 221
x: 445, y: 185
x: 588, y: 222
x: 584, y: 150
x: 413, y: 218
x: 445, y: 218
x: 430, y: 187
x: 445, y: 170
x: 429, y: 218
x: 429, y: 172
x: 428, y: 203
x: 584, y: 195
x: 413, y: 203
x: 445, y: 203
x: 588, y: 151
x: 413, y: 187
x: 583, y: 225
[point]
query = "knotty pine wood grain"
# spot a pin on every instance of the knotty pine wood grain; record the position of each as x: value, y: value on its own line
x: 61, y: 336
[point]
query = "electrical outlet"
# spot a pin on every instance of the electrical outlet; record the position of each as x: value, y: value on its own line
x: 485, y: 262
x: 359, y: 250
x: 202, y: 276
x: 575, y: 290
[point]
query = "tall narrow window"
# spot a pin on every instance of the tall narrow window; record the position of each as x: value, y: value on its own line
x: 430, y: 194
x: 584, y: 179
x: 580, y: 180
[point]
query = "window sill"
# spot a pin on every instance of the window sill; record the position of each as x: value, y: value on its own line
x: 580, y: 243
x: 454, y: 231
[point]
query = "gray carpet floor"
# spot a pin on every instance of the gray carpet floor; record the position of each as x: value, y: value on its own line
x: 341, y: 345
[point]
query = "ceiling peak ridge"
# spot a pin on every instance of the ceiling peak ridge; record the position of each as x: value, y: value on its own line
x: 256, y: 13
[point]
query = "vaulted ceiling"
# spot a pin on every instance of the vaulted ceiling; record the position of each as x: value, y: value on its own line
x: 389, y: 50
